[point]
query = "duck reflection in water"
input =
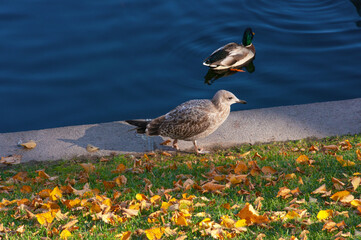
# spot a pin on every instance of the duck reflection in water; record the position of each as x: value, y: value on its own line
x: 357, y: 4
x: 212, y: 75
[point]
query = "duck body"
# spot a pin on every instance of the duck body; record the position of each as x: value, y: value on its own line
x: 233, y: 54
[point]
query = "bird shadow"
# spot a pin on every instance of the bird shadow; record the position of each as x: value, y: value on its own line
x: 116, y: 136
x: 213, y: 75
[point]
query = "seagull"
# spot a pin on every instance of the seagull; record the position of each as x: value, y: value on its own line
x: 191, y: 120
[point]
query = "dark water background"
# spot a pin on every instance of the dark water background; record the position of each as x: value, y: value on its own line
x: 76, y: 62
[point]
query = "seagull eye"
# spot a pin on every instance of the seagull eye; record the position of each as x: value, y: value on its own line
x: 230, y: 98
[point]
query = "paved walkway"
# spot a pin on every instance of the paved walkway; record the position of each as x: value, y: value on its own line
x: 250, y: 126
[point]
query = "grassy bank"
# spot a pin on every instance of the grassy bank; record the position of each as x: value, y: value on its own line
x: 272, y: 191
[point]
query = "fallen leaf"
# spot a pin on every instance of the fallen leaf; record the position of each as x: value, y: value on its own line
x: 91, y: 148
x: 355, y: 182
x: 324, y: 214
x: 340, y: 195
x: 29, y: 145
x: 124, y: 235
x: 358, y: 153
x: 88, y: 167
x: 321, y: 189
x: 166, y: 142
x: 11, y: 160
x: 25, y: 189
x: 65, y: 234
x: 268, y: 170
x: 302, y: 159
x: 212, y: 187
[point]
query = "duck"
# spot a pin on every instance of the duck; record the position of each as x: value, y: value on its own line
x: 233, y: 55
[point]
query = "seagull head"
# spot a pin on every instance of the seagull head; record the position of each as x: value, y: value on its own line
x: 226, y: 97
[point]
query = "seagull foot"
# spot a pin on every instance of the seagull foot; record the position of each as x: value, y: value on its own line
x: 202, y: 151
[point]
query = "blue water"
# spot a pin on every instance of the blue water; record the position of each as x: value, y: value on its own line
x: 77, y: 62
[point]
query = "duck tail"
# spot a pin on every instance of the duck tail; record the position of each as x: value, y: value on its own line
x: 141, y: 125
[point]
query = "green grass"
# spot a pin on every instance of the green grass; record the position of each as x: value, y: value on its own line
x: 164, y: 171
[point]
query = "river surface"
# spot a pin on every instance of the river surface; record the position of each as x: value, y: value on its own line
x: 78, y: 62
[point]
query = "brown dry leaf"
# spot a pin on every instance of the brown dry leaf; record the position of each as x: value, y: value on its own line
x: 124, y: 235
x: 284, y: 192
x: 167, y: 154
x: 260, y: 236
x: 25, y: 189
x: 251, y: 215
x: 90, y: 148
x: 300, y: 181
x: 290, y: 176
x: 355, y: 182
x: 268, y: 170
x: 346, y: 145
x: 166, y: 142
x: 330, y: 147
x: 259, y: 156
x: 11, y: 160
x: 313, y: 149
x: 240, y: 167
x: 120, y: 180
x: 329, y: 226
x: 109, y: 184
x: 210, y: 186
x: 303, y: 235
x: 29, y: 145
x: 244, y: 154
x: 320, y: 190
x: 88, y: 167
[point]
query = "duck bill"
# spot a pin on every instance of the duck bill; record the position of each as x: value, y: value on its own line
x: 242, y: 101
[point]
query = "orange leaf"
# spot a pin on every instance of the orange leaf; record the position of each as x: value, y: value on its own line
x: 25, y: 189
x: 302, y: 159
x: 240, y: 168
x: 358, y: 153
x: 340, y: 195
x: 88, y: 167
x: 212, y: 186
x: 268, y: 170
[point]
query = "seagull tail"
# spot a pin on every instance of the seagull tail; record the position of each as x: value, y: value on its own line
x: 140, y: 124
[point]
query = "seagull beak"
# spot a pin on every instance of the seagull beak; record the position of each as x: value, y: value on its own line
x: 241, y: 101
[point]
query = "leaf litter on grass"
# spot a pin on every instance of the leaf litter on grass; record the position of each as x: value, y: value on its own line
x: 252, y: 194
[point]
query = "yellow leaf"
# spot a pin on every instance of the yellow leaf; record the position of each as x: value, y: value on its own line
x: 251, y: 215
x: 124, y: 235
x: 340, y: 195
x: 154, y: 233
x: 356, y: 202
x: 71, y: 203
x: 227, y: 222
x: 291, y: 215
x: 240, y: 223
x: 91, y: 148
x: 302, y: 159
x: 45, y: 218
x: 179, y: 218
x: 29, y: 145
x: 141, y: 197
x: 65, y: 234
x: 56, y: 194
x: 205, y: 223
x: 345, y: 163
x: 324, y: 214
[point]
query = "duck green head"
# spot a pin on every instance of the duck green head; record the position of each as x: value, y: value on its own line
x: 247, y: 37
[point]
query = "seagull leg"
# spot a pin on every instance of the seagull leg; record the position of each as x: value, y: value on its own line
x: 198, y: 150
x: 175, y: 144
x: 236, y: 70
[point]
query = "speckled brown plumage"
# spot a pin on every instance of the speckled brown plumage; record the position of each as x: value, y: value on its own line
x: 191, y: 120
